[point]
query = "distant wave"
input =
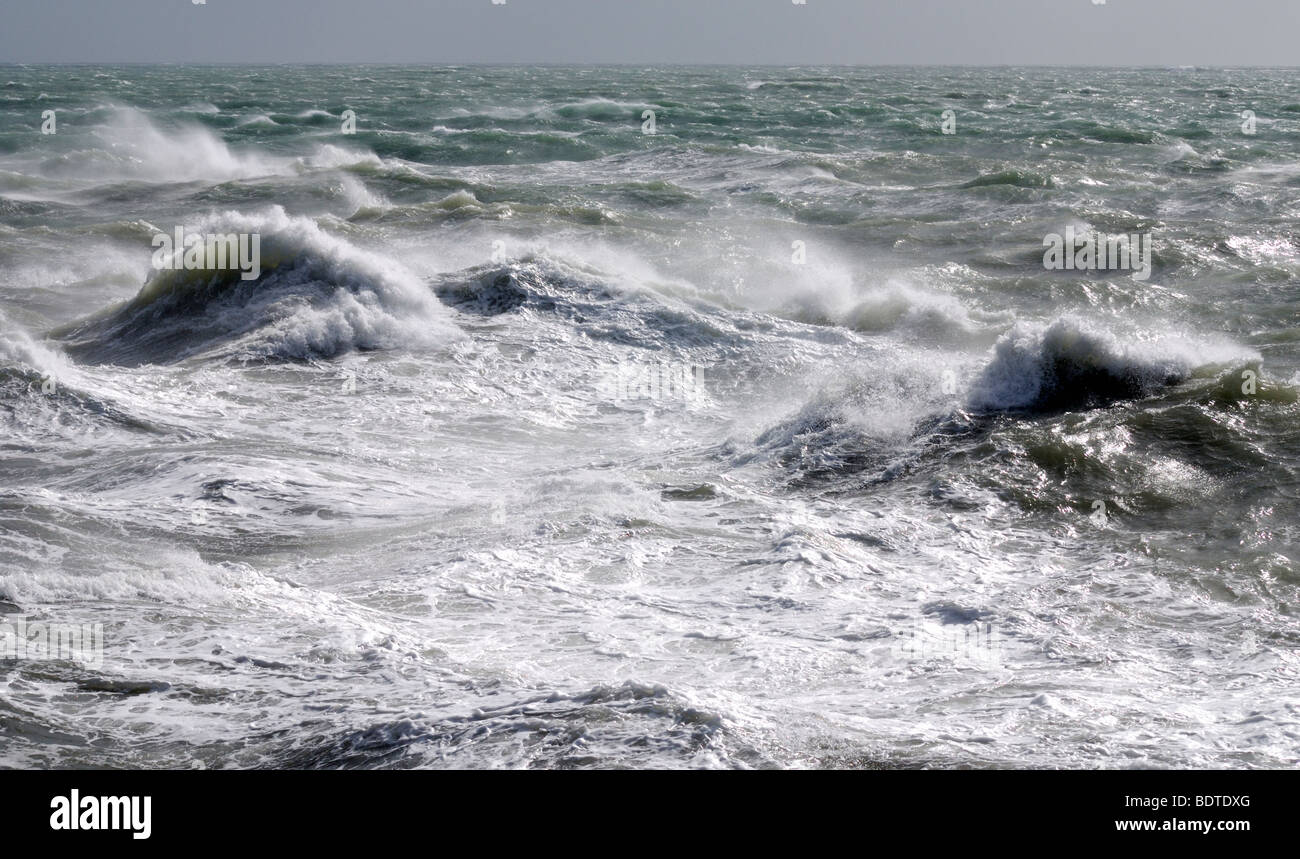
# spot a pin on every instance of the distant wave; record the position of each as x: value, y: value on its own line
x: 134, y: 148
x: 1016, y: 178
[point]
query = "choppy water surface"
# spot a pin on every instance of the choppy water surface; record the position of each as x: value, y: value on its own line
x: 539, y: 441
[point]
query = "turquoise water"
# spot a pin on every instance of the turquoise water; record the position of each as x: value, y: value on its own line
x: 766, y: 439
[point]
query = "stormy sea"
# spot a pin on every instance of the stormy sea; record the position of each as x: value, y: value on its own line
x: 600, y: 417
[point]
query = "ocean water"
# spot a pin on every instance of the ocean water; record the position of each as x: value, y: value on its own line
x: 539, y: 440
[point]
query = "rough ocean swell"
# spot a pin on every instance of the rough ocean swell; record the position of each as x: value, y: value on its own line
x: 766, y: 440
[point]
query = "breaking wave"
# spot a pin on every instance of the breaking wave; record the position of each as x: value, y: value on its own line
x: 317, y: 296
x: 1071, y: 364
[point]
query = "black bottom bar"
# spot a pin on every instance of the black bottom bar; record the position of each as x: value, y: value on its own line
x: 333, y: 809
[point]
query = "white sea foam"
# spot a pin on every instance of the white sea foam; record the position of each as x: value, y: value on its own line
x: 1072, y: 360
x: 318, y: 295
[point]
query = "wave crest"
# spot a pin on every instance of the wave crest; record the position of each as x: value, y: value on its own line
x: 317, y: 296
x: 1069, y: 364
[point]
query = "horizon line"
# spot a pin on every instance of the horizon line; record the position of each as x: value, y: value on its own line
x: 678, y: 65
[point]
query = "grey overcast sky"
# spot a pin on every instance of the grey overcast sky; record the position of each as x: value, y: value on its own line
x: 922, y: 32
